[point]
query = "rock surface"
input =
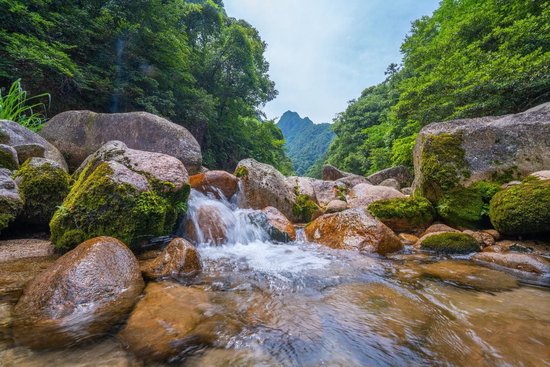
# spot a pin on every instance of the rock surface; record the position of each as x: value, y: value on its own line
x: 353, y: 229
x: 28, y: 144
x: 11, y: 202
x: 178, y: 260
x: 331, y: 173
x: 215, y: 182
x: 524, y: 262
x: 77, y: 134
x: 399, y: 173
x: 162, y: 323
x: 82, y: 295
x: 208, y: 226
x: 280, y: 223
x: 390, y: 182
x: 336, y: 206
x: 363, y: 195
x: 8, y: 157
x: 304, y: 186
x: 326, y: 191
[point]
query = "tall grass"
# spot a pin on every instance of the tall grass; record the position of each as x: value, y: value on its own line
x: 17, y: 106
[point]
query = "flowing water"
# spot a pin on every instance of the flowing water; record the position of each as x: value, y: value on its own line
x: 301, y: 304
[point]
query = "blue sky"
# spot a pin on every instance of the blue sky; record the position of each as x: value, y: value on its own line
x: 323, y: 53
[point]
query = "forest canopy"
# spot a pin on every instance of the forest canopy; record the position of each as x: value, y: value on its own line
x: 471, y: 58
x: 185, y: 60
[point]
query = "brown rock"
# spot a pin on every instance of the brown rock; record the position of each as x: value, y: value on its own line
x: 214, y: 182
x: 438, y: 227
x: 82, y: 295
x: 162, y: 324
x: 336, y: 206
x: 280, y: 222
x: 408, y: 239
x: 483, y: 238
x: 326, y: 191
x: 178, y: 260
x: 363, y: 195
x: 353, y: 229
x: 24, y: 248
x: 524, y: 262
x: 208, y: 226
x: 493, y: 232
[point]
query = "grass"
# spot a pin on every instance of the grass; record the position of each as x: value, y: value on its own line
x: 16, y: 105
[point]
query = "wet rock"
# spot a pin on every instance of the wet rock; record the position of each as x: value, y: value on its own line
x: 408, y: 239
x: 524, y: 262
x: 16, y: 273
x: 484, y: 239
x: 208, y: 227
x: 353, y: 229
x: 470, y: 275
x: 11, y: 202
x: 162, y: 324
x: 281, y: 224
x: 363, y: 195
x: 438, y: 227
x: 215, y: 182
x: 263, y: 186
x: 399, y: 173
x: 77, y: 134
x: 21, y: 138
x: 82, y: 295
x: 493, y: 232
x: 178, y: 260
x: 390, y: 182
x: 8, y: 157
x: 16, y: 249
x: 336, y: 206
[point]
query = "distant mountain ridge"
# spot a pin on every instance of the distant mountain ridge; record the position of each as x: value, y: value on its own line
x: 306, y: 142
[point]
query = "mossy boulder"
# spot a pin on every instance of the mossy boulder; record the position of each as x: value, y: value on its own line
x: 8, y: 157
x: 134, y: 196
x: 11, y: 202
x: 522, y: 209
x: 43, y: 184
x: 404, y: 214
x: 305, y: 209
x: 450, y: 242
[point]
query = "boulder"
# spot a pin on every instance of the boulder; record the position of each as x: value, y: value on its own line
x: 399, y: 173
x: 460, y: 152
x: 541, y: 175
x: 353, y: 229
x: 82, y: 295
x: 77, y: 134
x: 280, y: 224
x: 302, y: 186
x: 408, y: 239
x: 43, y: 184
x: 178, y: 260
x: 11, y: 202
x: 449, y: 242
x: 390, y: 182
x: 326, y: 191
x: 8, y: 157
x: 407, y: 190
x: 363, y: 195
x: 353, y: 180
x: 263, y: 186
x: 409, y: 214
x: 162, y: 324
x: 438, y: 227
x: 124, y: 193
x: 215, y: 182
x: 483, y: 238
x: 207, y: 226
x: 336, y: 206
x: 331, y: 173
x: 524, y: 262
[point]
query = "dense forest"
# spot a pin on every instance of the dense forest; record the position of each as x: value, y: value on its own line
x: 306, y: 142
x: 470, y: 58
x: 185, y: 60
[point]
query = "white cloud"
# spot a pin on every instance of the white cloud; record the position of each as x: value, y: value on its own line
x: 323, y: 53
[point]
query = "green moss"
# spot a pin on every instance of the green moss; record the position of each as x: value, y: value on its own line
x: 98, y: 206
x: 522, y: 209
x: 413, y: 211
x: 241, y: 171
x: 304, y: 208
x: 451, y: 243
x: 442, y: 164
x: 7, y: 160
x: 467, y: 207
x: 504, y: 176
x: 43, y: 189
x: 9, y: 208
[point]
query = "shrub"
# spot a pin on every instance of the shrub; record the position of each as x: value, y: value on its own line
x: 17, y: 106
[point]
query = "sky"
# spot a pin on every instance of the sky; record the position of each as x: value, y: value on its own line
x: 323, y: 53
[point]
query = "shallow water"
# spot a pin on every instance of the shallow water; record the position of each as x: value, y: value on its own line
x: 301, y: 304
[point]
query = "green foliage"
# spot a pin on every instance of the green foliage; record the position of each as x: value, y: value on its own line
x: 522, y: 209
x: 451, y: 243
x: 306, y: 142
x: 471, y: 58
x: 17, y: 106
x: 411, y: 212
x: 241, y: 171
x: 43, y: 188
x: 9, y: 209
x: 185, y: 60
x: 304, y: 208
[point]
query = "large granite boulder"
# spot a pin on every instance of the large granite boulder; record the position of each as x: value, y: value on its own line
x: 82, y: 295
x: 331, y: 173
x: 399, y: 173
x: 263, y: 186
x: 353, y: 229
x: 327, y: 191
x: 124, y: 193
x: 28, y: 144
x: 178, y: 260
x: 461, y: 152
x: 77, y: 134
x: 215, y: 182
x: 11, y: 202
x: 363, y: 195
x: 302, y: 186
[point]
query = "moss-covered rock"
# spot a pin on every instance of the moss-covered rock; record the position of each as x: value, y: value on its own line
x: 43, y: 184
x: 304, y: 208
x: 450, y: 242
x: 11, y: 202
x: 522, y: 209
x: 404, y: 214
x: 8, y: 157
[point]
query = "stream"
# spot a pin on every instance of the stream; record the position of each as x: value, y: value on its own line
x: 302, y: 304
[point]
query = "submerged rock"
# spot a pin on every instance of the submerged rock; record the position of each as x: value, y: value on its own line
x: 523, y: 262
x: 162, y: 324
x: 178, y: 260
x: 77, y: 134
x: 82, y: 295
x: 353, y: 229
x: 363, y: 195
x: 215, y: 182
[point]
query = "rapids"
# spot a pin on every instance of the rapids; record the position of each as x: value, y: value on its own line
x: 302, y: 304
